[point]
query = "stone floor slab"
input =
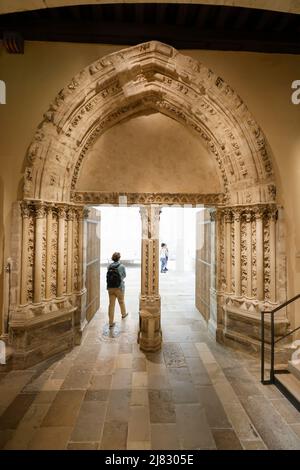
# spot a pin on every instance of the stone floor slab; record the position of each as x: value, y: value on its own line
x: 90, y: 422
x: 193, y: 429
x: 161, y: 405
x: 64, y: 409
x: 226, y: 439
x: 50, y: 438
x: 164, y: 436
x: 114, y: 436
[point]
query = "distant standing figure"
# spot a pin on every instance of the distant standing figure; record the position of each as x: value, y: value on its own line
x: 164, y: 256
x: 115, y: 276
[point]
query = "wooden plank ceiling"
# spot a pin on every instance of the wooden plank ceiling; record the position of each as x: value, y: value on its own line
x: 184, y: 26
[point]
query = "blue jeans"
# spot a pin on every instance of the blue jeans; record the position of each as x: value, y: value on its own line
x: 163, y: 264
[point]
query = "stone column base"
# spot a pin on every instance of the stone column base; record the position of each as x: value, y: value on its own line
x: 150, y: 336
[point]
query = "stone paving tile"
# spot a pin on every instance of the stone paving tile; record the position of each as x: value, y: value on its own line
x: 36, y: 384
x: 161, y: 405
x: 241, y: 422
x: 122, y: 379
x: 139, y: 445
x: 52, y: 385
x: 106, y: 366
x: 100, y: 382
x: 139, y: 424
x: 154, y: 368
x: 164, y: 436
x: 189, y: 350
x: 139, y: 364
x: 5, y: 436
x: 214, y: 409
x: 198, y: 371
x: 244, y: 387
x: 139, y: 397
x: 118, y: 408
x: 45, y: 396
x: 289, y: 413
x: 125, y: 348
x: 158, y: 382
x: 139, y: 380
x: 90, y: 422
x: 296, y: 429
x: 96, y: 395
x: 185, y: 393
x: 77, y: 379
x: 273, y: 429
x: 253, y: 445
x: 226, y: 439
x: 62, y: 369
x: 28, y: 426
x: 124, y: 361
x: 82, y: 446
x: 64, y: 409
x: 16, y: 410
x: 193, y: 429
x: 114, y: 436
x: 50, y: 438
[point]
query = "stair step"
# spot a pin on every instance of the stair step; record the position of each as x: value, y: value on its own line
x: 291, y: 383
x: 294, y: 368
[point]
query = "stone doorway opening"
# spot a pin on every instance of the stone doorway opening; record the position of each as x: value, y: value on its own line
x: 190, y: 279
x: 119, y: 230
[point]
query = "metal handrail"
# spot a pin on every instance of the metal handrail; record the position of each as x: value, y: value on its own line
x: 273, y: 342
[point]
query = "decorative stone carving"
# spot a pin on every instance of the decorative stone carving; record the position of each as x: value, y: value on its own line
x: 147, y: 198
x: 149, y: 336
x: 150, y: 77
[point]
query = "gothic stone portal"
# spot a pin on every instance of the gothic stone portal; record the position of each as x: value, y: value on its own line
x: 48, y: 291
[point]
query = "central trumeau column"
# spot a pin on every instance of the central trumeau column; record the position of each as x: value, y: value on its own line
x: 150, y: 336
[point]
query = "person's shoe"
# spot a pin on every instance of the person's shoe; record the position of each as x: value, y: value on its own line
x: 126, y: 315
x: 112, y: 325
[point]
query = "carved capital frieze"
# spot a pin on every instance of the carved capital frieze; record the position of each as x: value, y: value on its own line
x: 26, y: 209
x: 40, y: 210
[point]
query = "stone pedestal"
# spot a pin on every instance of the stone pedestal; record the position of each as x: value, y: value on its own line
x: 149, y: 336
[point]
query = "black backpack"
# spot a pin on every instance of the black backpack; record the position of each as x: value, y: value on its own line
x: 113, y: 278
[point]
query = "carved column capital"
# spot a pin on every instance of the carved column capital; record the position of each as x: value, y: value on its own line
x: 62, y: 212
x: 237, y: 215
x: 259, y: 212
x: 70, y: 214
x: 39, y: 210
x: 26, y: 209
x: 228, y: 216
x: 272, y: 213
x: 249, y: 215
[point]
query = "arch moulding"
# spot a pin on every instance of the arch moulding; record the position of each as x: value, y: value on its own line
x: 49, y: 293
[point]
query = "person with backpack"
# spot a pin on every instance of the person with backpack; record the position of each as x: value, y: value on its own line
x: 115, y: 276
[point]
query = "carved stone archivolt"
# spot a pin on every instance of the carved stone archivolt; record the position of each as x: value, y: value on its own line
x: 150, y: 77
